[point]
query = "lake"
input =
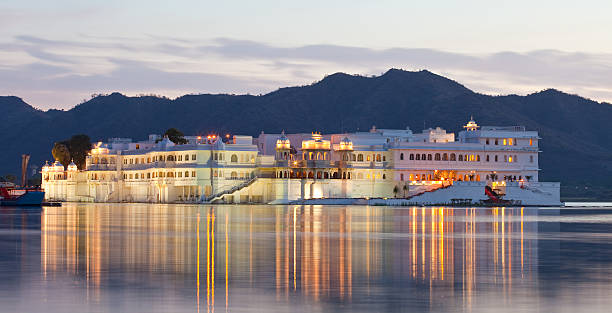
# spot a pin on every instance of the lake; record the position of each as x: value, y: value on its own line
x: 238, y: 258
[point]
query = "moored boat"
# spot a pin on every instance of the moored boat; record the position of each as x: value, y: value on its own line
x: 10, y: 195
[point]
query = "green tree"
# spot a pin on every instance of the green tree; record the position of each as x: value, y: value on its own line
x: 79, y: 146
x: 61, y: 152
x: 176, y: 136
x: 406, y: 189
x: 395, y: 191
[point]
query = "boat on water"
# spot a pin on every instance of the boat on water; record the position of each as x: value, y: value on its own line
x: 11, y: 195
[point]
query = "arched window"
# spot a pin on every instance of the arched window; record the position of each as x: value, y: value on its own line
x: 310, y: 174
x: 401, y: 156
x: 423, y: 157
x: 360, y: 157
x: 384, y: 176
x: 437, y: 156
x: 234, y: 158
x: 411, y: 156
x: 487, y: 159
x: 429, y: 157
x: 496, y: 158
x: 349, y: 175
x: 418, y: 157
x: 478, y: 158
x: 368, y: 158
x: 461, y: 157
x: 378, y: 158
x: 326, y: 175
x: 444, y: 157
x: 234, y: 175
x: 384, y: 158
x: 353, y: 157
x: 186, y: 157
x: 186, y: 173
x: 453, y: 157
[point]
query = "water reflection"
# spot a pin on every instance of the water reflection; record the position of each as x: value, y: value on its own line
x: 228, y: 256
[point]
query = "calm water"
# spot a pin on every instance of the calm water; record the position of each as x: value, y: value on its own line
x: 179, y: 258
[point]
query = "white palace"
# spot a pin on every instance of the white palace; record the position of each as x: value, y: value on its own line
x: 387, y: 166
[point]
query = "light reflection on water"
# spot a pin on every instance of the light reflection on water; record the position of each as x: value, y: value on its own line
x: 159, y: 258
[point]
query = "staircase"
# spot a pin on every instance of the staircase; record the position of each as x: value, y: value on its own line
x: 219, y: 195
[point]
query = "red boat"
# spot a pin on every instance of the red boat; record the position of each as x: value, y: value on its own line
x: 14, y: 196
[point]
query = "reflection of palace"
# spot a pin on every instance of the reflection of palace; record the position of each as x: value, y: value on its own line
x: 296, y: 250
x: 431, y: 167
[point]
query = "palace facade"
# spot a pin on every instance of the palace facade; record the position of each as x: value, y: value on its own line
x: 428, y: 167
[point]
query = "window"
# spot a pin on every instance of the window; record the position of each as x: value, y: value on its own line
x: 531, y: 141
x: 186, y: 173
x: 418, y: 157
x: 402, y: 156
x: 193, y: 157
x: 131, y: 161
x: 423, y: 157
x: 384, y: 158
x: 478, y: 158
x: 216, y: 156
x: 531, y: 159
x: 186, y: 157
x: 180, y: 174
x: 148, y: 175
x: 487, y: 141
x: 136, y: 160
x: 193, y: 174
x: 353, y: 157
x: 505, y: 142
x: 401, y: 177
x: 510, y: 141
x: 411, y: 156
x: 429, y: 157
x: 180, y: 158
x: 368, y: 158
x: 453, y: 157
x: 487, y: 159
x: 437, y: 156
x: 360, y: 157
x: 496, y: 159
x: 378, y: 158
x: 234, y: 158
x: 461, y: 157
x: 444, y: 157
x: 496, y: 142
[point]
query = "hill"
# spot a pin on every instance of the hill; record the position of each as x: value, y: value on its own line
x: 576, y: 145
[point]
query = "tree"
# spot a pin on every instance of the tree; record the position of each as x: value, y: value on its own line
x: 79, y: 146
x: 395, y: 191
x: 61, y: 152
x: 176, y: 136
x: 406, y: 189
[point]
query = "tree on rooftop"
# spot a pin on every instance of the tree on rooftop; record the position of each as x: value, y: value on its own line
x: 176, y: 136
x: 79, y: 146
x: 61, y: 152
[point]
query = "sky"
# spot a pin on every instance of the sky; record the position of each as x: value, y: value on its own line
x: 56, y: 54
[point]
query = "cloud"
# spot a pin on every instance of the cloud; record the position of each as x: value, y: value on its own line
x: 58, y: 73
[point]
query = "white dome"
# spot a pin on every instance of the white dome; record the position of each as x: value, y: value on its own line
x: 72, y: 167
x: 57, y: 167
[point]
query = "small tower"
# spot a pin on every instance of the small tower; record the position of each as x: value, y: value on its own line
x: 345, y: 148
x: 283, y: 148
x: 471, y: 125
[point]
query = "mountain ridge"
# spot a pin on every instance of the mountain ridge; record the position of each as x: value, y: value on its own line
x: 577, y: 140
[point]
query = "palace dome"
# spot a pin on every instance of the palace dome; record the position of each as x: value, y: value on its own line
x: 283, y: 142
x: 72, y: 167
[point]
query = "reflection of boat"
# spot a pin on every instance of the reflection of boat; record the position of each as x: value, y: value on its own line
x: 11, y: 195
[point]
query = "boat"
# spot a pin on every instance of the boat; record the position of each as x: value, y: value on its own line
x: 11, y: 195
